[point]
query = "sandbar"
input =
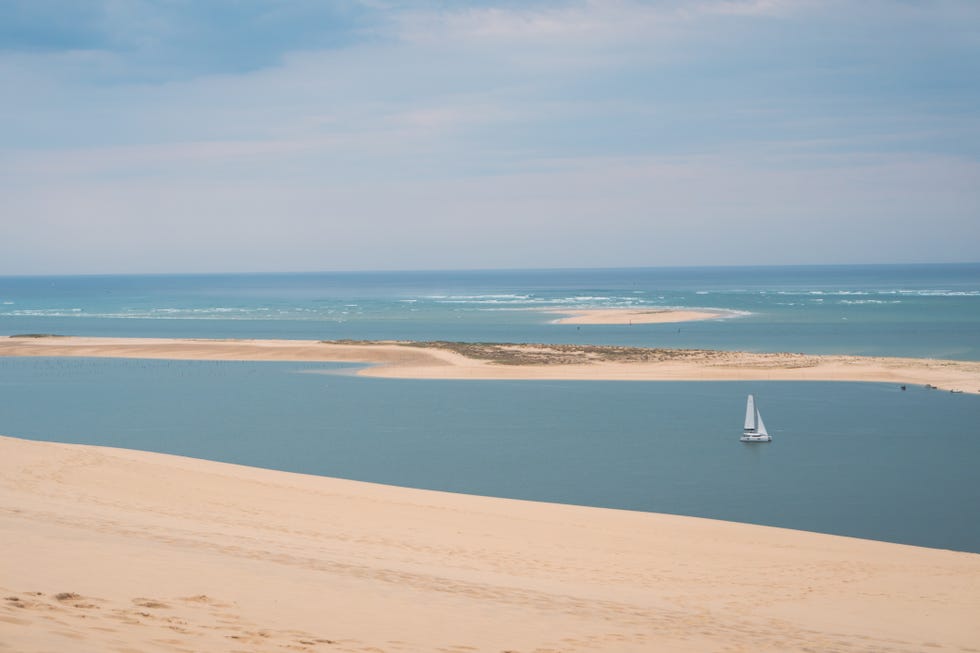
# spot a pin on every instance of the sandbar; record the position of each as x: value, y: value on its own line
x: 630, y: 316
x: 117, y: 550
x: 447, y: 360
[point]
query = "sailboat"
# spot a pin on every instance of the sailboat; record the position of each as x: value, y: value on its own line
x: 755, y: 430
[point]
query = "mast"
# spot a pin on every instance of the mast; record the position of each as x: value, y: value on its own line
x: 751, y: 414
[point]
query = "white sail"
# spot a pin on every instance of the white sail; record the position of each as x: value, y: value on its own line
x: 755, y: 430
x: 751, y: 414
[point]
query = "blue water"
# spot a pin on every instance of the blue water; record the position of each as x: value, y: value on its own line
x: 865, y: 460
x: 924, y: 310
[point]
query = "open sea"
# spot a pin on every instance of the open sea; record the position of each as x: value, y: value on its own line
x: 859, y: 459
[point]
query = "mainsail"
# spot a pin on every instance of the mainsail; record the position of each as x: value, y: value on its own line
x: 751, y: 415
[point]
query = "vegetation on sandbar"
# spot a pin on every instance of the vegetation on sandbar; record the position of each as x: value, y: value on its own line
x: 509, y: 353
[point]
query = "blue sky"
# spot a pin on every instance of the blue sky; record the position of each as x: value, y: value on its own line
x: 225, y: 135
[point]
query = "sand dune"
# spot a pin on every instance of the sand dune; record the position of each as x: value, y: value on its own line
x: 524, y: 361
x: 115, y: 550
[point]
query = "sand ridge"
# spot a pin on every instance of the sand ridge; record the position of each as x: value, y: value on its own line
x: 109, y: 549
x: 447, y: 360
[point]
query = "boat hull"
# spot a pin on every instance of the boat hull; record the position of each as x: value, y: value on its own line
x: 756, y: 438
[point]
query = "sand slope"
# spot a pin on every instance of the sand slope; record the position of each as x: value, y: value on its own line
x: 114, y: 550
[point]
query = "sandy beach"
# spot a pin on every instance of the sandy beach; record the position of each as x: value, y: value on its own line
x: 633, y: 316
x: 116, y: 550
x: 525, y: 361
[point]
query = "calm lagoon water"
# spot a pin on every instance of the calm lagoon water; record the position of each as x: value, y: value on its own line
x: 865, y: 460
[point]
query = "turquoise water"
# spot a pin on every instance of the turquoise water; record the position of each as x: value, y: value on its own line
x: 929, y: 311
x: 864, y: 460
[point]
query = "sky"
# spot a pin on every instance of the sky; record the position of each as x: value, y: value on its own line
x: 142, y: 136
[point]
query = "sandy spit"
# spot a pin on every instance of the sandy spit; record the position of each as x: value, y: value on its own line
x: 115, y: 550
x: 509, y: 361
x: 633, y: 316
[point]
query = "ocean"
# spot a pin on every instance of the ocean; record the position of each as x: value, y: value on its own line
x: 859, y: 459
x: 925, y: 310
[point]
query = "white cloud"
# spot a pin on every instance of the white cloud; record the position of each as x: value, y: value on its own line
x: 632, y: 211
x: 588, y: 22
x: 603, y: 133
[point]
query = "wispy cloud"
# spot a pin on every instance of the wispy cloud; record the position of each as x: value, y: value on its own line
x: 664, y: 120
x: 160, y: 41
x: 588, y: 22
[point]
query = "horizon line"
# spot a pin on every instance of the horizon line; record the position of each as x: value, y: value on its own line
x: 482, y: 269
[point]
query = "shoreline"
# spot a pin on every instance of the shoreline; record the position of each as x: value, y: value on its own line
x: 117, y: 549
x: 485, y: 361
